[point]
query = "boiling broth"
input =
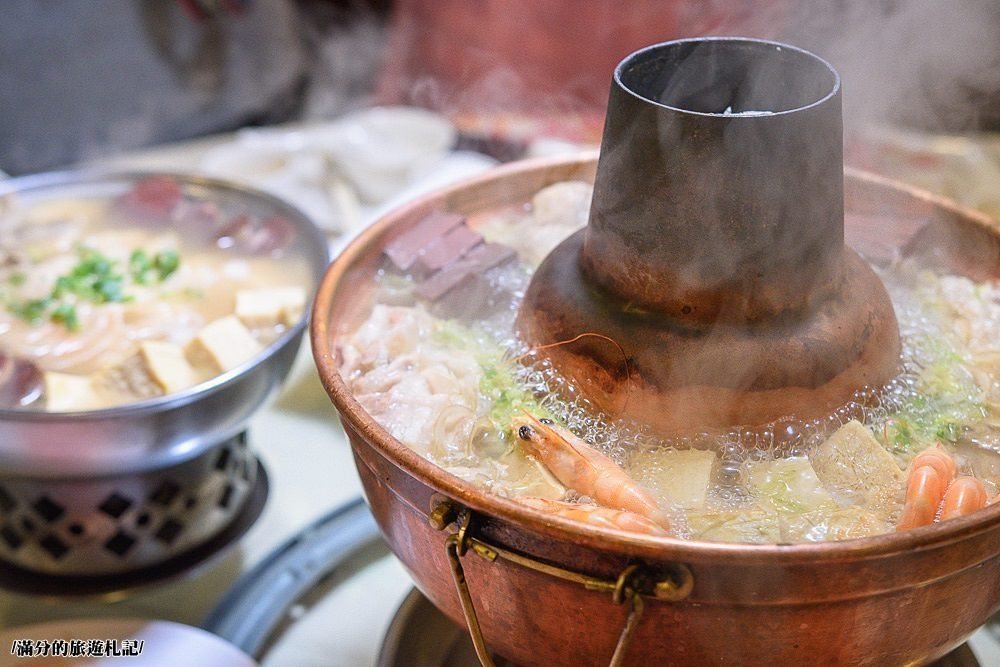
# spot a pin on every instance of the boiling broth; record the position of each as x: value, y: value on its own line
x: 446, y: 375
x: 110, y: 300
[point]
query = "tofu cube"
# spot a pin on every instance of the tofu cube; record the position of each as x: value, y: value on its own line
x: 65, y: 392
x: 854, y: 465
x: 749, y: 525
x: 787, y: 485
x: 682, y: 475
x: 270, y: 306
x: 167, y: 366
x: 223, y: 344
x: 841, y: 523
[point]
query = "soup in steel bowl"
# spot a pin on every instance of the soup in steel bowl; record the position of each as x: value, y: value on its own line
x: 143, y: 320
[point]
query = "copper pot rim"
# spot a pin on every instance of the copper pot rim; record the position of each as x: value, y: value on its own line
x: 609, y: 540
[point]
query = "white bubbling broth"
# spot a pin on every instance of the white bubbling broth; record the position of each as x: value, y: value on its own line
x: 449, y: 387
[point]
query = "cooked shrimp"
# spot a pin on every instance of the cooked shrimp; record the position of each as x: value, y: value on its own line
x: 931, y: 472
x: 925, y: 488
x: 965, y: 495
x: 582, y: 468
x: 596, y: 515
x: 934, y: 494
x: 939, y: 459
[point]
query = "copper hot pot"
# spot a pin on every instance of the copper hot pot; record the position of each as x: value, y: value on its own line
x: 540, y: 590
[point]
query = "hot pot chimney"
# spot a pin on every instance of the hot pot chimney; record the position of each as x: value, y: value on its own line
x: 714, y: 255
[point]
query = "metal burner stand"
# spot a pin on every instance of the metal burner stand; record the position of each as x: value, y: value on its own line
x: 86, y: 536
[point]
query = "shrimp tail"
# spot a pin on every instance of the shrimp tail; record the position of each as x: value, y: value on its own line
x: 965, y: 495
x: 596, y: 516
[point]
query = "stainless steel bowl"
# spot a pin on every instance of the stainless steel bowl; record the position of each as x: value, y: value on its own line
x: 112, y: 490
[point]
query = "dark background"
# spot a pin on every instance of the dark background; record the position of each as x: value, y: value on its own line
x: 81, y: 80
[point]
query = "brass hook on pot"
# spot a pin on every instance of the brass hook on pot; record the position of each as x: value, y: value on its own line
x: 624, y: 590
x: 635, y: 582
x: 454, y: 549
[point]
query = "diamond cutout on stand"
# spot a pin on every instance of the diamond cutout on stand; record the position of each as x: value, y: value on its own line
x: 56, y: 547
x: 11, y: 537
x: 120, y: 543
x: 165, y: 493
x: 7, y: 502
x: 115, y: 505
x: 169, y: 531
x: 47, y: 509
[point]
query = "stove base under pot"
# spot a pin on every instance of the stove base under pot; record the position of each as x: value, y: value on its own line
x: 81, y: 536
x: 421, y: 635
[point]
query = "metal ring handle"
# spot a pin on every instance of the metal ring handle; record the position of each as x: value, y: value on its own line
x: 632, y: 585
x: 453, y: 548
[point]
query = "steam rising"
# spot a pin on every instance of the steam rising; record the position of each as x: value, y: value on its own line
x: 926, y: 63
x: 931, y: 65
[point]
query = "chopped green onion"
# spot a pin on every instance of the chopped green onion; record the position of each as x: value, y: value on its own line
x: 109, y: 290
x: 139, y: 265
x: 93, y: 278
x: 31, y: 310
x: 64, y: 285
x: 65, y: 314
x: 166, y: 262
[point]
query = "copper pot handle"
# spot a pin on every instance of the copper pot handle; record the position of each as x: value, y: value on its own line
x: 635, y: 583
